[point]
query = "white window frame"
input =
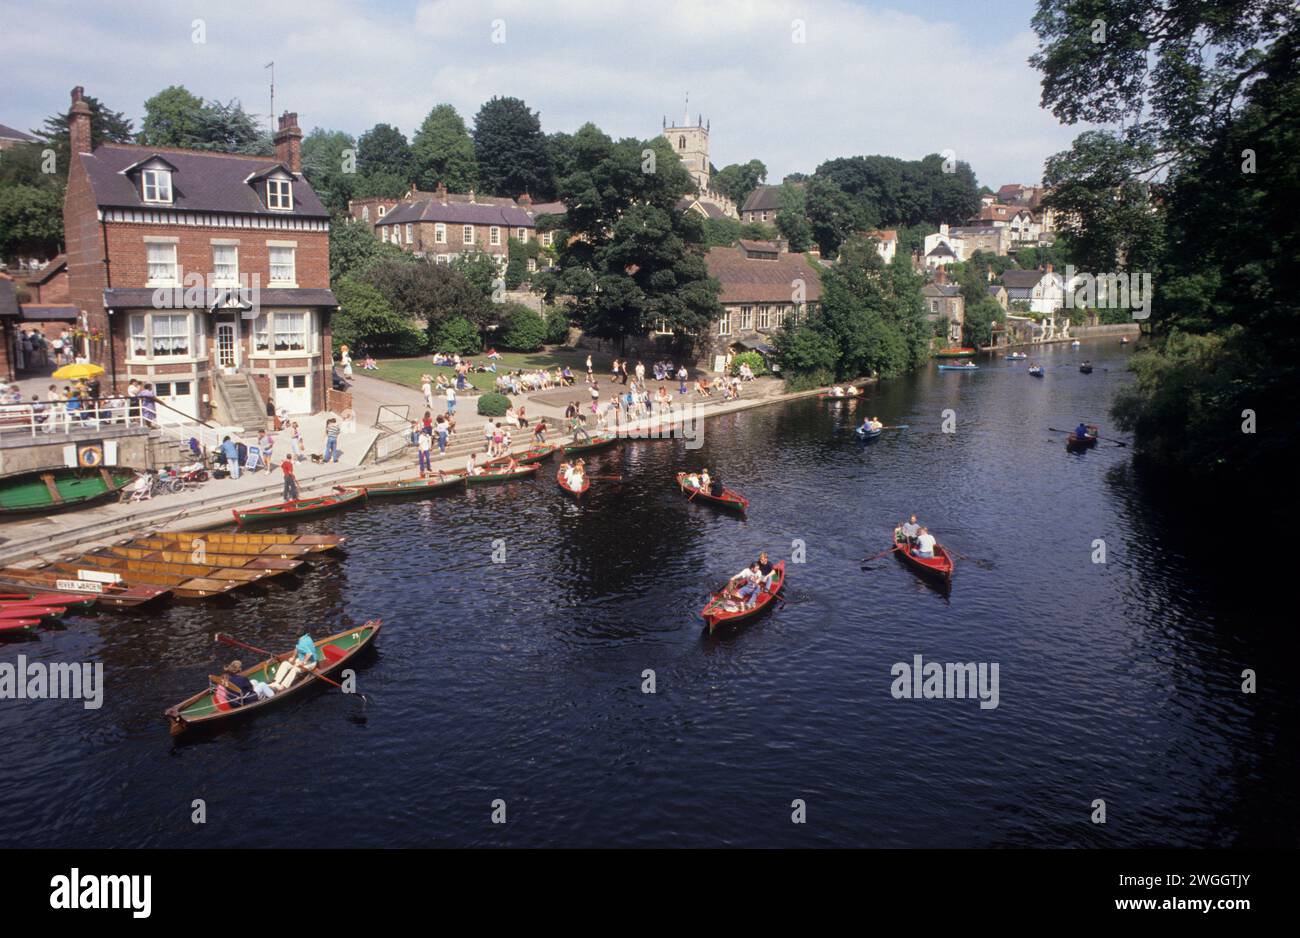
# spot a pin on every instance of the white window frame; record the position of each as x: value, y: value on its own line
x: 523, y: 235
x: 383, y: 210
x: 141, y: 327
x: 160, y: 181
x: 440, y: 233
x: 410, y: 233
x: 279, y: 195
x: 746, y: 318
x: 494, y: 236
x: 724, y: 324
x: 383, y: 234
x: 365, y: 213
x: 271, y: 250
x: 467, y: 234
x: 765, y: 317
x: 154, y: 279
x: 228, y: 279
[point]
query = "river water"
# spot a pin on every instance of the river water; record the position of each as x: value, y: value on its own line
x: 523, y: 681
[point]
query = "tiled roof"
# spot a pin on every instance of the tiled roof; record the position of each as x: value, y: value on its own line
x: 1022, y: 279
x: 761, y: 247
x: 202, y: 182
x: 764, y: 198
x: 745, y: 280
x: 458, y: 213
x: 941, y: 250
x: 8, y: 133
x: 49, y: 312
x: 888, y: 234
x: 941, y: 289
x: 548, y: 208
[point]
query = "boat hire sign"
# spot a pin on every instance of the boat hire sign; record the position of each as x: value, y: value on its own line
x: 79, y: 586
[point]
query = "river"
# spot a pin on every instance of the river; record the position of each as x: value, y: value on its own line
x: 523, y: 680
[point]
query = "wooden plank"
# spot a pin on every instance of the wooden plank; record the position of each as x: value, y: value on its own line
x: 55, y: 496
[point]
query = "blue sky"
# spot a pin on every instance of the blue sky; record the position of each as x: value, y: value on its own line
x: 893, y: 77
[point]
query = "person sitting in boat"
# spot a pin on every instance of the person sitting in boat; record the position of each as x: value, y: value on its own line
x: 715, y: 487
x: 766, y: 569
x: 1081, y: 431
x: 837, y: 391
x: 305, y: 658
x: 472, y: 468
x: 744, y: 587
x: 924, y: 544
x: 876, y: 424
x: 692, y: 480
x: 910, y: 530
x: 577, y: 475
x: 511, y: 465
x: 239, y: 689
x: 851, y: 391
x: 705, y: 480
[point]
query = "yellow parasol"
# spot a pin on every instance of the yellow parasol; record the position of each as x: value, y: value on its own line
x: 76, y: 372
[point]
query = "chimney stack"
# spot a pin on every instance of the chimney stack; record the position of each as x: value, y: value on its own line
x: 471, y: 196
x: 288, y: 142
x: 940, y: 274
x: 441, y: 192
x: 79, y: 122
x: 525, y: 201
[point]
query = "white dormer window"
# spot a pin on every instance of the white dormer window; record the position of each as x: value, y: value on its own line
x: 157, y: 185
x: 279, y: 194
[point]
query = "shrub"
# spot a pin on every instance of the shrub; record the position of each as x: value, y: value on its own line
x: 756, y: 362
x: 522, y: 330
x: 807, y: 380
x: 557, y: 326
x: 457, y: 336
x: 493, y: 404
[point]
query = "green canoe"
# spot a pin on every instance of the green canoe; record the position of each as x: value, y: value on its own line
x: 44, y: 491
x: 599, y: 442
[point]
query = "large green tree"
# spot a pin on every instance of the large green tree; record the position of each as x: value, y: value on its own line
x: 637, y: 262
x: 442, y: 151
x: 175, y: 117
x: 832, y: 214
x: 383, y: 153
x: 512, y: 152
x: 329, y: 163
x: 106, y: 126
x: 738, y: 180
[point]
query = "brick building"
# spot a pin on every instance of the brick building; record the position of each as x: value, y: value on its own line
x: 206, y: 274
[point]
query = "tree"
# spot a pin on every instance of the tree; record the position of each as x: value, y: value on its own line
x: 792, y: 218
x: 522, y: 329
x: 365, y: 320
x: 832, y: 215
x: 31, y: 221
x: 511, y: 149
x: 442, y: 151
x: 427, y: 292
x: 636, y: 262
x: 354, y: 247
x: 175, y: 117
x: 382, y: 152
x: 738, y: 180
x: 480, y: 269
x: 106, y: 126
x: 329, y: 163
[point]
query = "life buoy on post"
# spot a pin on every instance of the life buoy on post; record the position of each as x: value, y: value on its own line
x: 90, y: 455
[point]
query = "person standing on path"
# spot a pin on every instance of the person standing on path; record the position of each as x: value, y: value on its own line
x: 331, y: 440
x: 295, y: 441
x: 426, y: 459
x: 231, y: 451
x: 590, y: 375
x: 290, y: 492
x: 426, y: 388
x: 451, y: 400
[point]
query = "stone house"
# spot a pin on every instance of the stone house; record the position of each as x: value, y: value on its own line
x: 944, y: 303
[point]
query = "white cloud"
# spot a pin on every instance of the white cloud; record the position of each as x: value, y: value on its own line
x: 867, y: 80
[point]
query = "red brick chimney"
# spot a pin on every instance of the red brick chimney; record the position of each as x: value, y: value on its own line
x: 441, y: 193
x: 525, y: 201
x: 79, y: 122
x: 940, y: 274
x: 288, y: 142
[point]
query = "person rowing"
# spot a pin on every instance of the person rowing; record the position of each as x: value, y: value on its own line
x: 1081, y: 431
x: 304, y: 658
x: 925, y: 543
x: 705, y: 479
x: 837, y: 391
x: 692, y: 480
x: 744, y: 587
x: 909, y: 530
x: 852, y: 391
x: 715, y: 487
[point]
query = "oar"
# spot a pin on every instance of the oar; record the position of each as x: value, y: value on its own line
x: 901, y: 426
x: 227, y: 640
x: 879, y: 555
x: 606, y: 478
x: 1104, y: 439
x: 982, y: 564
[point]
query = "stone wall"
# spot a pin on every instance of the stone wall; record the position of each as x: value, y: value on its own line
x: 44, y: 452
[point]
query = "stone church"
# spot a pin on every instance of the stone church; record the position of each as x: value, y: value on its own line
x: 691, y: 144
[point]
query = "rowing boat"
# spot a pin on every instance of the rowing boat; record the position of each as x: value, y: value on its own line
x: 44, y: 491
x: 596, y: 443
x: 493, y: 477
x: 132, y: 568
x: 576, y: 493
x: 17, y: 625
x: 937, y: 567
x: 717, y: 615
x: 865, y: 434
x: 1036, y: 372
x: 298, y: 508
x: 246, y: 551
x: 1076, y: 444
x: 535, y: 454
x: 954, y: 352
x: 31, y: 611
x: 402, y: 488
x: 859, y: 390
x: 67, y: 600
x: 729, y: 499
x: 213, y: 707
x: 105, y: 594
x: 203, y: 557
x: 181, y: 586
x: 1016, y: 357
x: 969, y: 366
x: 1085, y: 368
x: 222, y: 540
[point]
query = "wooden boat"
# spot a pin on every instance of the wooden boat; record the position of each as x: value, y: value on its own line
x: 45, y: 491
x: 969, y: 366
x: 125, y: 566
x: 211, y: 708
x: 534, y: 454
x: 1036, y: 372
x: 1086, y: 368
x: 225, y: 540
x: 595, y: 443
x: 576, y: 493
x: 938, y: 567
x: 402, y: 488
x: 495, y: 476
x: 105, y: 594
x: 299, y: 508
x: 865, y: 434
x: 67, y: 600
x: 246, y: 551
x: 10, y: 626
x: 954, y: 352
x: 729, y: 499
x: 1016, y: 357
x: 860, y: 390
x: 718, y: 616
x: 31, y: 611
x: 1076, y: 444
x: 181, y: 586
x: 1123, y: 340
x: 207, y: 558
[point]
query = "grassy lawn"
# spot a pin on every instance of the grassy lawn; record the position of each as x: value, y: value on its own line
x: 407, y: 371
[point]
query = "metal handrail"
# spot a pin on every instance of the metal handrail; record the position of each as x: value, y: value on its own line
x: 51, y: 417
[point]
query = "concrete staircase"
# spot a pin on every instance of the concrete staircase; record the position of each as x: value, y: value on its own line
x: 239, y: 403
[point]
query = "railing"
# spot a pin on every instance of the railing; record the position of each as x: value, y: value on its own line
x: 79, y: 418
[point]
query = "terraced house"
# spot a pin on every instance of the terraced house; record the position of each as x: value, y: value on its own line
x: 205, y: 274
x: 763, y: 287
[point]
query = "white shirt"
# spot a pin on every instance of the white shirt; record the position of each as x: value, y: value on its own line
x: 425, y: 442
x: 925, y: 543
x: 748, y: 575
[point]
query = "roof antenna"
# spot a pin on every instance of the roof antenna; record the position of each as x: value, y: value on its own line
x: 686, y: 112
x: 271, y: 66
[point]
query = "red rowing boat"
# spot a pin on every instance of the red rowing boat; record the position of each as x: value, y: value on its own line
x: 576, y: 493
x: 1077, y: 444
x: 728, y: 499
x: 721, y: 612
x: 939, y: 566
x: 534, y: 454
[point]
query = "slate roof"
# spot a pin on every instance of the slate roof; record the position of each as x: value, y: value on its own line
x: 9, y: 133
x: 941, y: 289
x: 1022, y: 279
x: 457, y: 213
x: 745, y: 280
x: 548, y: 208
x: 764, y: 198
x: 941, y: 250
x: 202, y: 182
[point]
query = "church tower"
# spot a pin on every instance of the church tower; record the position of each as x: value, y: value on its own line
x: 691, y: 144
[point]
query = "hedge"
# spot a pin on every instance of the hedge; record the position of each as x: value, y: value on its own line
x: 756, y: 362
x: 493, y: 404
